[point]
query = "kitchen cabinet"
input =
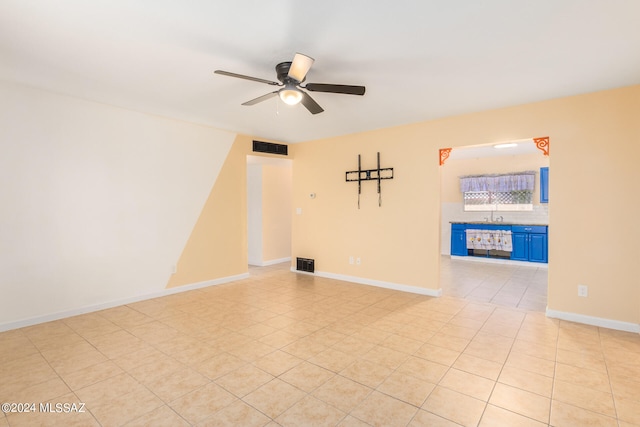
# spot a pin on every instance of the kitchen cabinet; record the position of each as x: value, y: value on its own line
x: 544, y: 185
x: 530, y: 243
x: 538, y: 245
x: 520, y: 242
x: 458, y: 240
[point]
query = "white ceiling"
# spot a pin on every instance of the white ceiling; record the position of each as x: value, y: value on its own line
x: 419, y: 59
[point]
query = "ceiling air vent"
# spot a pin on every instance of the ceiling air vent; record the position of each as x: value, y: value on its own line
x: 269, y: 147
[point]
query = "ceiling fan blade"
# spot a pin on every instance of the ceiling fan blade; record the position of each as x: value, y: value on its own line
x: 310, y: 104
x: 347, y: 89
x: 300, y: 66
x: 261, y: 98
x: 242, y: 76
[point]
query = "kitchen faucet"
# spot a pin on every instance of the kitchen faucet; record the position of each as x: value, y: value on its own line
x: 497, y: 219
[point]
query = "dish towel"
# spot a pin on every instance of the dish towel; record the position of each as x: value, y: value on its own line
x: 489, y: 239
x: 504, y: 240
x: 474, y: 239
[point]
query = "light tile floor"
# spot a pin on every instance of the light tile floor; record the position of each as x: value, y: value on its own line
x: 507, y: 283
x: 289, y: 349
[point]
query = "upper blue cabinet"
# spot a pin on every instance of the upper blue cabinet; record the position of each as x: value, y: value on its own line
x: 544, y: 185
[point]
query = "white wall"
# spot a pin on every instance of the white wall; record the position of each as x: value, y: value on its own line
x: 254, y: 214
x: 97, y: 202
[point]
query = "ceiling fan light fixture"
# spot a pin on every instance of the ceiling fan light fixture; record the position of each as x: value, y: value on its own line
x: 300, y: 66
x: 290, y: 95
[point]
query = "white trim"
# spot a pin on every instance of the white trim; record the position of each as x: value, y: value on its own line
x: 115, y: 303
x: 499, y: 261
x: 594, y: 321
x: 377, y: 283
x: 275, y: 261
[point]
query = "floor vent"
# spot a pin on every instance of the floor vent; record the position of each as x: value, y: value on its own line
x: 305, y: 264
x: 269, y: 147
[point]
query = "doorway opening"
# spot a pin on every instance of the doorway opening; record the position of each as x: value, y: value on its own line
x: 484, y: 279
x: 269, y: 201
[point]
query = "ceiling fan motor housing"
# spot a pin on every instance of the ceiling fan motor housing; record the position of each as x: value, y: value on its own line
x: 282, y: 70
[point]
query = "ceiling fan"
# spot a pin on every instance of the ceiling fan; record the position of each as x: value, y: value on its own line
x: 291, y: 75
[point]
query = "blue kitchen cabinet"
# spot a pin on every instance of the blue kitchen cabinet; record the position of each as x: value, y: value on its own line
x: 520, y: 242
x: 544, y: 185
x: 530, y: 243
x: 538, y: 247
x: 458, y: 240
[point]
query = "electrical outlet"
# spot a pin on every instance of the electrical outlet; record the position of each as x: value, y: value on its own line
x: 583, y: 291
x: 350, y: 260
x: 358, y: 261
x: 174, y: 269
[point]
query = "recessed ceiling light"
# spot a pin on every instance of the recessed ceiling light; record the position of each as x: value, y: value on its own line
x: 507, y: 145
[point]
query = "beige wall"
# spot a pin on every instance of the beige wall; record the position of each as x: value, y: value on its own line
x: 390, y: 240
x: 593, y: 226
x: 276, y: 212
x: 217, y: 246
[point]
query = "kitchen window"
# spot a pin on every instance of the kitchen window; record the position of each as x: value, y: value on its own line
x: 498, y: 192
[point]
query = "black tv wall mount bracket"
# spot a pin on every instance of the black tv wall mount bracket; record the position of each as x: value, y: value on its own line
x: 377, y: 174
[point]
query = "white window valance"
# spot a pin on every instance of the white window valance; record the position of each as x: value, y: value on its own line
x: 516, y: 181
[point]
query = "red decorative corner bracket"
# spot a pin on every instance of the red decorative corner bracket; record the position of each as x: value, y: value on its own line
x: 444, y: 155
x: 542, y: 144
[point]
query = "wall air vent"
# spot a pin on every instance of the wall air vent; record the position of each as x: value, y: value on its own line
x: 305, y: 264
x: 269, y: 147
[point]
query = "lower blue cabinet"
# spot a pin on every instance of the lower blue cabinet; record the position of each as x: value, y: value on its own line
x: 458, y: 240
x: 538, y: 247
x: 529, y: 243
x: 520, y: 250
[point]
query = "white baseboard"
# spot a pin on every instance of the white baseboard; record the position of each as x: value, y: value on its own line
x: 276, y: 261
x: 270, y: 262
x: 594, y: 321
x: 115, y: 303
x: 377, y: 283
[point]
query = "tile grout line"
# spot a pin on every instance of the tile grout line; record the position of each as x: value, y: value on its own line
x: 606, y: 365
